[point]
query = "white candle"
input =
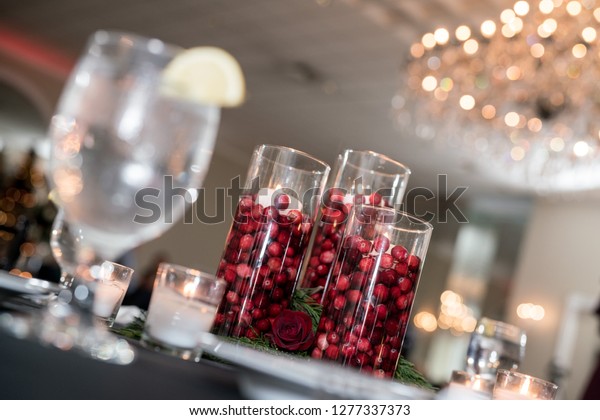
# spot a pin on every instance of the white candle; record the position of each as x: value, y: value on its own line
x: 456, y: 391
x: 506, y: 394
x: 106, y: 298
x: 176, y: 320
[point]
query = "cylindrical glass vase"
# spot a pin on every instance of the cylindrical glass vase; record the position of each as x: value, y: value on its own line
x: 361, y: 177
x: 367, y: 304
x: 268, y: 239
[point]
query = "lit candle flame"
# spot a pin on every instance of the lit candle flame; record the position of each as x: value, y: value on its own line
x: 525, y: 387
x: 189, y: 289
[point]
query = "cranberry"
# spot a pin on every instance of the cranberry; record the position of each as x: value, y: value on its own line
x: 271, y: 213
x: 243, y: 270
x: 381, y: 244
x: 388, y: 277
x: 229, y: 276
x: 353, y: 296
x: 402, y: 302
x: 401, y: 268
x: 381, y: 312
x: 275, y: 249
x: 274, y: 310
x: 364, y: 246
x: 380, y: 292
x: 282, y: 201
x: 343, y: 283
x: 413, y: 262
x: 274, y: 264
x: 322, y: 342
x: 232, y: 297
x: 258, y: 313
x: 400, y: 253
x: 322, y: 269
x: 363, y: 345
x: 267, y: 284
x: 405, y: 284
x: 277, y: 294
x: 327, y: 257
x: 366, y: 264
x: 348, y: 350
x: 332, y: 352
x: 327, y: 245
x: 386, y: 261
x: 339, y: 302
x: 316, y: 353
x: 375, y: 199
x: 333, y: 337
x: 263, y: 325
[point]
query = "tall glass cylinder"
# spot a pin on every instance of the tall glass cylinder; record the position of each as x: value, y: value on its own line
x: 367, y: 304
x: 268, y: 239
x: 362, y: 177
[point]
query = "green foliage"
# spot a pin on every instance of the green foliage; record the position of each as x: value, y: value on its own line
x: 301, y: 301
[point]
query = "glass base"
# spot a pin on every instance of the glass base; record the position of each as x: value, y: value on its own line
x: 183, y: 353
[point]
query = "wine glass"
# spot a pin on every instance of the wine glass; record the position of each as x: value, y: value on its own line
x: 123, y: 149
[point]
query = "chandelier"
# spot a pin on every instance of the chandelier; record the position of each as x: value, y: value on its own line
x: 520, y: 94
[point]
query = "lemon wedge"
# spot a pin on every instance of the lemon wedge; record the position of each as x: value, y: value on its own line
x: 205, y: 75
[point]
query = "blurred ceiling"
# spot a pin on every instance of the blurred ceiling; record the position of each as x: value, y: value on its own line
x: 320, y: 73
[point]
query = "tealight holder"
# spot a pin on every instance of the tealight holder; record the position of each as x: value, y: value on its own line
x: 182, y: 309
x: 467, y: 386
x: 512, y: 385
x: 268, y: 239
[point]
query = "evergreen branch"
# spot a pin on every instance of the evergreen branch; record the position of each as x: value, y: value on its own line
x: 302, y: 301
x: 407, y: 374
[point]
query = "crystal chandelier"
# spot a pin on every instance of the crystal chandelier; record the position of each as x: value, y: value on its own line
x: 520, y: 94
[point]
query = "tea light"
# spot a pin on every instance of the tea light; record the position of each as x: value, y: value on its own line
x: 518, y: 386
x: 106, y: 297
x: 467, y: 386
x: 177, y: 319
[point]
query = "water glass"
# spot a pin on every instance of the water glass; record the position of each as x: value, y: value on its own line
x: 182, y: 308
x: 495, y: 345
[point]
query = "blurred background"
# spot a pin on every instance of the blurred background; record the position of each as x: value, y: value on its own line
x: 323, y: 76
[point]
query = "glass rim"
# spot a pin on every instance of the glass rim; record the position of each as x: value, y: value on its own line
x: 325, y: 167
x: 163, y: 266
x: 119, y: 266
x: 152, y: 45
x: 533, y: 379
x: 381, y: 156
x: 414, y: 220
x: 500, y: 328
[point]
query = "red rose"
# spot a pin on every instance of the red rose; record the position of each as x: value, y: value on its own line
x: 292, y: 330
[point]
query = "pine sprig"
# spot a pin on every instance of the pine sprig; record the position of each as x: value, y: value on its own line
x: 302, y: 301
x: 134, y: 329
x: 407, y: 374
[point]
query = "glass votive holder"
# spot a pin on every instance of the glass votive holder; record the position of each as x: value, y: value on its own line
x: 268, y: 239
x: 367, y: 302
x: 468, y: 386
x: 112, y: 282
x: 359, y: 177
x: 182, y: 308
x: 495, y: 345
x: 518, y: 386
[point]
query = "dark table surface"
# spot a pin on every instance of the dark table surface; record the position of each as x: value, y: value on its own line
x: 29, y: 370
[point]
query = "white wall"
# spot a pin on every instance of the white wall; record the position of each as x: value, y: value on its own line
x: 560, y: 255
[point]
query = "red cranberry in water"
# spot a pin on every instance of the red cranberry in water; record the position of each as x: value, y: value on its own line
x: 413, y: 262
x: 366, y: 264
x: 275, y: 249
x: 381, y: 244
x: 332, y: 352
x: 364, y: 246
x: 282, y: 201
x: 400, y: 253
